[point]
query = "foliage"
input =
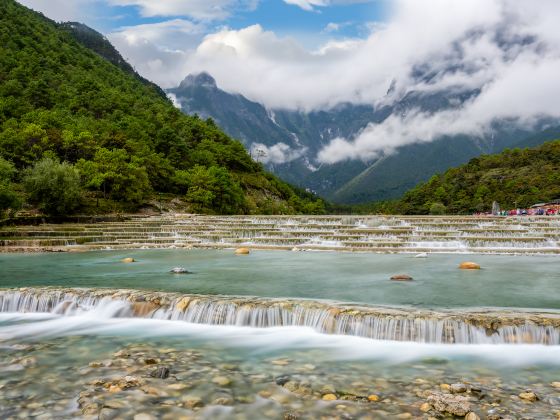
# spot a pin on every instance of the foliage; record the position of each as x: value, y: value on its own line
x: 53, y: 186
x: 61, y: 99
x: 513, y: 178
x: 9, y: 199
x: 437, y: 209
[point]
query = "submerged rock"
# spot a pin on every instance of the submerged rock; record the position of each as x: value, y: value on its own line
x: 469, y: 265
x: 528, y: 396
x: 242, y: 251
x: 128, y: 260
x: 401, y: 277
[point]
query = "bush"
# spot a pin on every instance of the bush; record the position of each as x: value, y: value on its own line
x: 8, y: 197
x: 437, y: 209
x: 54, y: 187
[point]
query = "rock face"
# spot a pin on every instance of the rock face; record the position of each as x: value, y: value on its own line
x: 128, y: 260
x: 469, y: 265
x: 448, y: 403
x: 401, y: 277
x: 242, y: 251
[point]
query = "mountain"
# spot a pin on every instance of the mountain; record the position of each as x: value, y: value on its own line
x: 67, y: 96
x: 301, y: 135
x: 97, y: 42
x: 514, y: 178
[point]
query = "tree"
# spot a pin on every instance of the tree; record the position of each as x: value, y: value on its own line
x: 438, y: 209
x: 8, y: 197
x: 54, y: 187
x: 214, y: 189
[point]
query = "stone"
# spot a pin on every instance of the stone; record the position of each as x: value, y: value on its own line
x: 179, y: 270
x: 445, y: 387
x: 329, y: 397
x: 128, y: 260
x: 528, y: 396
x: 425, y: 407
x: 469, y: 265
x: 458, y: 388
x: 282, y: 379
x: 162, y: 372
x: 401, y: 277
x: 472, y: 416
x: 403, y: 416
x: 373, y: 398
x: 183, y: 304
x: 143, y: 416
x: 555, y: 384
x: 223, y: 401
x: 242, y: 251
x: 221, y: 380
x: 192, y: 402
x: 449, y: 403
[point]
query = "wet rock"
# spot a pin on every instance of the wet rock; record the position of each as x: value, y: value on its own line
x: 190, y: 401
x: 179, y: 270
x: 221, y: 380
x: 143, y: 416
x: 128, y: 260
x: 469, y: 265
x: 223, y: 401
x: 242, y: 251
x: 472, y: 416
x: 449, y: 403
x: 151, y: 361
x: 528, y: 396
x: 183, y: 304
x: 555, y: 384
x: 282, y: 379
x: 401, y: 277
x: 328, y: 389
x: 458, y: 388
x: 162, y: 372
x: 373, y: 398
x: 329, y: 397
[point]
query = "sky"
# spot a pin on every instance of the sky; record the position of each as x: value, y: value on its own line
x: 314, y: 54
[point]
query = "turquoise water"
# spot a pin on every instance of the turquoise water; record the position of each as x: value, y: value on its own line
x: 504, y: 281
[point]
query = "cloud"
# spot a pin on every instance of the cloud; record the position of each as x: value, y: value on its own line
x: 63, y: 10
x: 276, y: 154
x: 312, y: 5
x: 196, y: 9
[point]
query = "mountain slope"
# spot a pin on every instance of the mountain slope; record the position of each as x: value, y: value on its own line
x: 61, y: 100
x: 513, y: 178
x: 354, y: 182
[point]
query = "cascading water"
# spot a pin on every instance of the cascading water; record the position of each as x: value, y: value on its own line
x: 377, y: 324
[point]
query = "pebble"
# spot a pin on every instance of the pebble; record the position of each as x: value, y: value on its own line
x: 528, y: 396
x: 472, y: 416
x: 143, y: 416
x: 329, y: 397
x: 221, y: 380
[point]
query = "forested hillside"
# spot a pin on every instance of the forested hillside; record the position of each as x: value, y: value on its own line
x: 513, y: 178
x: 79, y: 133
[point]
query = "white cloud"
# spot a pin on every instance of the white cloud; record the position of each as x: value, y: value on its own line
x: 63, y: 10
x: 197, y: 9
x: 276, y: 154
x: 312, y: 5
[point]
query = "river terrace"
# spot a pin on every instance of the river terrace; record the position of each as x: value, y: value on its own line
x: 286, y: 331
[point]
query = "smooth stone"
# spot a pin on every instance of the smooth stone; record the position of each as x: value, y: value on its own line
x: 425, y: 407
x: 469, y: 265
x: 282, y: 379
x: 528, y: 396
x: 458, y: 388
x: 221, y: 380
x: 143, y: 416
x: 555, y: 384
x: 472, y: 416
x: 401, y: 277
x: 242, y: 251
x: 128, y: 260
x: 179, y: 270
x: 329, y: 397
x: 373, y: 398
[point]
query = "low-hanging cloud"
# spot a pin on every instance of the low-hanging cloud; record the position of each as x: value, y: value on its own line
x: 276, y: 154
x: 507, y: 51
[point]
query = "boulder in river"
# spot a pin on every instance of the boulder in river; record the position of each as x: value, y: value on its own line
x: 450, y: 403
x: 469, y: 265
x: 401, y: 277
x: 128, y: 260
x: 242, y: 251
x: 179, y: 270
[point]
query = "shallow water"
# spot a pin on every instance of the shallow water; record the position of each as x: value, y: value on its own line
x: 504, y: 281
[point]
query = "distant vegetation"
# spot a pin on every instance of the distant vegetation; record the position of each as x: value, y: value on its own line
x: 513, y: 178
x: 111, y: 136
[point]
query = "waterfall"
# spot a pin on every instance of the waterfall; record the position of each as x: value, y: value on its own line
x: 375, y: 323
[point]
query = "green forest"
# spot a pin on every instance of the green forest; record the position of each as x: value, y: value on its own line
x: 82, y: 134
x: 513, y: 178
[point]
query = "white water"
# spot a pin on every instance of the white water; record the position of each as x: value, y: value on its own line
x: 268, y: 314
